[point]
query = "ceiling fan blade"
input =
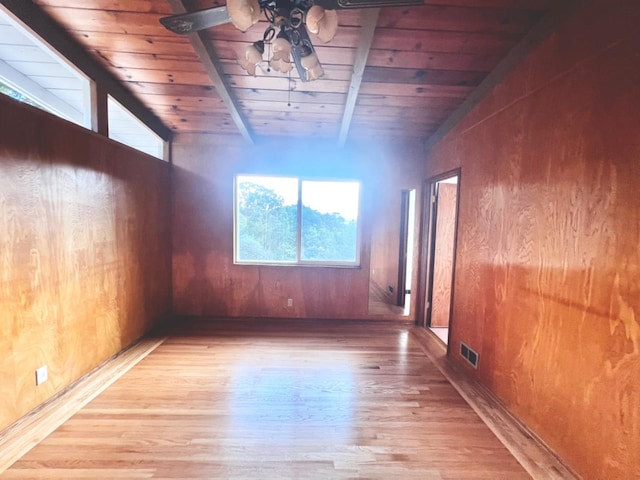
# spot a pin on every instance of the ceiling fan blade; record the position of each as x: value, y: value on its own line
x: 350, y: 4
x: 184, y: 23
x: 301, y: 44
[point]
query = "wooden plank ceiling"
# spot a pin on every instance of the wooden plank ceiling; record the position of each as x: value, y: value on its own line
x: 423, y: 62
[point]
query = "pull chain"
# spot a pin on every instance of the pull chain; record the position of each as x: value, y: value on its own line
x: 269, y: 57
x: 289, y: 92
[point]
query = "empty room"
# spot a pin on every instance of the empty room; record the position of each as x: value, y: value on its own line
x: 320, y: 239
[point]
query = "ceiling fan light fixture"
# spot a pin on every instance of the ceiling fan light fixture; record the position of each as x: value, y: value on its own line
x: 314, y: 15
x: 312, y: 66
x: 252, y: 57
x: 243, y: 13
x: 321, y: 22
x: 294, y: 18
x: 281, y: 58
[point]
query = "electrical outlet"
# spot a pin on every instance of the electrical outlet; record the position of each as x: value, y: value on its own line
x: 42, y: 375
x: 290, y: 302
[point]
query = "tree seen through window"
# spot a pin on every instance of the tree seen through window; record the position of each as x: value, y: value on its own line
x: 288, y: 220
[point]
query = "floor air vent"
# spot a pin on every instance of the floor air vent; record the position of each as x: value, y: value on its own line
x: 469, y: 355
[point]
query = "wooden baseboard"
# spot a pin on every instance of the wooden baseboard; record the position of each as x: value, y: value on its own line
x: 20, y: 437
x: 534, y: 456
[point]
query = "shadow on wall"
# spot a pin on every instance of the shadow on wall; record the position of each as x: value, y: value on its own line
x: 202, y: 226
x: 557, y: 351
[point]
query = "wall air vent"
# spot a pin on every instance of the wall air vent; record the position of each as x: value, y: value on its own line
x: 469, y: 355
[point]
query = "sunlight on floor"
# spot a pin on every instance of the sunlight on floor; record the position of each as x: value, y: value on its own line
x: 442, y: 333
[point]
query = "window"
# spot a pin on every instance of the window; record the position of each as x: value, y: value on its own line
x: 125, y: 127
x: 16, y: 95
x: 288, y: 220
x: 31, y: 72
x: 34, y: 73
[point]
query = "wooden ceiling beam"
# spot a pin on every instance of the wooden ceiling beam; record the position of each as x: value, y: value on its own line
x: 213, y: 66
x: 369, y: 22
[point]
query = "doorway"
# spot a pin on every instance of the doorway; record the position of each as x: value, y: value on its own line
x: 405, y: 263
x: 441, y: 218
x: 391, y: 257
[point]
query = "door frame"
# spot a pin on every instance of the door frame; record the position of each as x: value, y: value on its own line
x: 401, y: 292
x: 427, y: 245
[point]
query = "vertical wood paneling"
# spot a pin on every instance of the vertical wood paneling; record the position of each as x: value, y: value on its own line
x: 385, y: 244
x: 205, y: 280
x: 547, y: 273
x: 443, y: 254
x: 84, y: 252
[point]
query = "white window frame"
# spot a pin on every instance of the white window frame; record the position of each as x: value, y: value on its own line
x: 136, y: 130
x: 299, y: 261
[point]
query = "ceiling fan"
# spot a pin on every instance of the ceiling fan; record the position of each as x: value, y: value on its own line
x: 287, y: 33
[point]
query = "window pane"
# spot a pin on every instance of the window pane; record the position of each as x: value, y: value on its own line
x: 125, y: 127
x: 31, y: 72
x: 330, y: 221
x: 266, y: 218
x: 10, y: 92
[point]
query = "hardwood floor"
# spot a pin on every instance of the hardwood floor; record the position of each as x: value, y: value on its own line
x: 32, y: 428
x: 276, y: 399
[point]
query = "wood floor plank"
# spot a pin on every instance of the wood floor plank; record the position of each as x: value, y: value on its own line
x: 276, y: 399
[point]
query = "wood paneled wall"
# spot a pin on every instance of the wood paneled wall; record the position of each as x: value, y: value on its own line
x: 205, y: 280
x: 548, y: 263
x: 85, y: 263
x: 385, y: 245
